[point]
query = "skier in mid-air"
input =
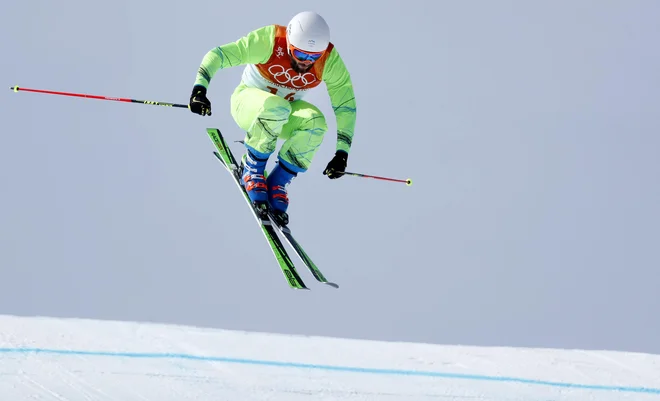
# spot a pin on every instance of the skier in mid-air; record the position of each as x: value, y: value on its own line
x: 282, y: 65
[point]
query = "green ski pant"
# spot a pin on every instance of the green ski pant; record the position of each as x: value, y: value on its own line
x: 266, y: 117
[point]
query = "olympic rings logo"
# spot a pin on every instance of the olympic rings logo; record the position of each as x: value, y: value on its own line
x: 283, y: 76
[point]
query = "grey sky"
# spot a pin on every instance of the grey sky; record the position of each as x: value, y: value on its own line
x: 530, y: 130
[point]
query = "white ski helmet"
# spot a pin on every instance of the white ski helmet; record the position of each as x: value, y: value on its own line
x: 308, y: 31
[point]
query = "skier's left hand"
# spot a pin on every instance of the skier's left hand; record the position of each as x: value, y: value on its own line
x: 337, y: 165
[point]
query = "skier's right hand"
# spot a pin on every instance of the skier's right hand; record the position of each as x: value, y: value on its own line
x: 199, y: 103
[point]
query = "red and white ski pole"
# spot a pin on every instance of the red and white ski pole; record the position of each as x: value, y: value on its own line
x: 407, y: 181
x: 115, y: 99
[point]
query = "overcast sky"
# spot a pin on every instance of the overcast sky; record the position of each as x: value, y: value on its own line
x: 530, y: 130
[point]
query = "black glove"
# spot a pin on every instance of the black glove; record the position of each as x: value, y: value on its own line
x: 199, y: 103
x: 337, y: 165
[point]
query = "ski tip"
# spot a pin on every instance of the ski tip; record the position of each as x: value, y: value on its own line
x: 333, y: 285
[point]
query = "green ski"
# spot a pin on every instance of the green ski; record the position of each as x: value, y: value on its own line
x: 227, y: 159
x: 286, y: 232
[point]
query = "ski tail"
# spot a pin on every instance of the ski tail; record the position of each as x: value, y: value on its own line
x: 304, y: 257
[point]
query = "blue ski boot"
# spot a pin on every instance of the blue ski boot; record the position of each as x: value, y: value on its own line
x: 254, y: 182
x: 277, y: 181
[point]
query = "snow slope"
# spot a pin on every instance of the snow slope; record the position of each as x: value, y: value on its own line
x: 66, y: 359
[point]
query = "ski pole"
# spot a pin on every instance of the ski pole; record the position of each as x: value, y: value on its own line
x: 408, y: 181
x: 116, y: 99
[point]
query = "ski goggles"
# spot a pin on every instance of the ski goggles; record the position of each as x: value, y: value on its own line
x: 303, y: 56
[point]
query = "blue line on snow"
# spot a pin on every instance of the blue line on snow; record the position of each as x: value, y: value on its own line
x: 396, y: 372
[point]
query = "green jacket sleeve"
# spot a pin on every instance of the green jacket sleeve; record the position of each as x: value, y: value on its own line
x: 340, y: 89
x: 253, y: 48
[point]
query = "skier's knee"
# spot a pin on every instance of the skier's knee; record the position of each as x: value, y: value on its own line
x: 275, y: 106
x: 320, y: 124
x: 316, y: 126
x: 314, y: 121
